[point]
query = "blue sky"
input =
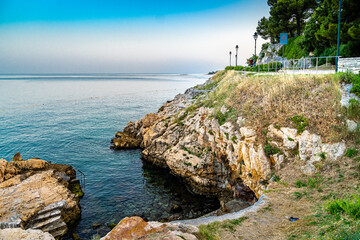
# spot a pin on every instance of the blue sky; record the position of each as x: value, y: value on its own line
x: 62, y: 36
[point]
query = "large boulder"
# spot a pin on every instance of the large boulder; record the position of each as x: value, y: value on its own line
x: 35, y: 194
x: 123, y: 140
x: 132, y: 228
x: 30, y: 234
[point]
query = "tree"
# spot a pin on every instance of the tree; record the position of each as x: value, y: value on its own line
x: 321, y: 29
x: 285, y: 16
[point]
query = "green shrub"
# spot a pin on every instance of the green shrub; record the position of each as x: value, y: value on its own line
x: 276, y: 178
x: 322, y: 155
x: 301, y: 123
x: 353, y: 111
x: 350, y: 206
x: 294, y: 49
x: 270, y: 150
x: 224, y: 117
x: 300, y: 184
x: 271, y: 67
x: 349, y: 77
x: 299, y: 195
x: 315, y: 181
x: 356, y: 89
x: 351, y: 152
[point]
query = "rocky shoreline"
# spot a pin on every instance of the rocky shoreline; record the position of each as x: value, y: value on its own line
x: 37, y: 195
x: 218, y: 158
x: 223, y: 160
x: 186, y: 145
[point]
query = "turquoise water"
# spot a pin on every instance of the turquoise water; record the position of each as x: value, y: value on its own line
x: 70, y: 119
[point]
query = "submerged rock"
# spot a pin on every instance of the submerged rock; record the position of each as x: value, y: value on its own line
x: 34, y: 194
x: 176, y: 208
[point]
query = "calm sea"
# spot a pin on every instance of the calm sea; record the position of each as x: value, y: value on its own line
x: 70, y: 119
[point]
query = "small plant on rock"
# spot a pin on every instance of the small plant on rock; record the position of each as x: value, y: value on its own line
x: 276, y: 178
x: 322, y: 155
x: 270, y: 150
x: 301, y: 122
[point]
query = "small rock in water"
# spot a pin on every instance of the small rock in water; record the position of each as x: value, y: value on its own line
x: 96, y: 225
x: 176, y: 208
x: 17, y: 157
x: 75, y: 236
x: 112, y: 225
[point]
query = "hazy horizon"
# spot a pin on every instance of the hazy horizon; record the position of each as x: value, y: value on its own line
x: 42, y: 37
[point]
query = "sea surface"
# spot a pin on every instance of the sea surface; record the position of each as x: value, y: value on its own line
x: 70, y: 119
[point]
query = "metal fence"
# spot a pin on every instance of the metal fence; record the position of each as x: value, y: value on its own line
x: 309, y: 65
x: 81, y: 178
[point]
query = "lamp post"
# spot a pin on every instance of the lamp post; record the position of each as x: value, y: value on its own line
x: 338, y: 39
x: 236, y: 56
x: 255, y: 37
x: 230, y: 58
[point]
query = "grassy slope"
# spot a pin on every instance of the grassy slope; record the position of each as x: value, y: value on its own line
x: 265, y: 100
x: 275, y: 100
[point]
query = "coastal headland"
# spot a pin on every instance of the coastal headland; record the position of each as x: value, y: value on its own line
x: 287, y: 146
x: 238, y: 136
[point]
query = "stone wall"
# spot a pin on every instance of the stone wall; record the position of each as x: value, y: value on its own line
x: 349, y: 64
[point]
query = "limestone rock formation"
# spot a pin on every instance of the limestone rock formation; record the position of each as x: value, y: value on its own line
x: 35, y: 194
x: 124, y: 141
x: 136, y: 228
x: 30, y: 234
x: 309, y: 146
x: 214, y: 158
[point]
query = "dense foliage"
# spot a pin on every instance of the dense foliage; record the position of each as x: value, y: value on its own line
x: 287, y: 16
x: 320, y: 34
x: 313, y: 26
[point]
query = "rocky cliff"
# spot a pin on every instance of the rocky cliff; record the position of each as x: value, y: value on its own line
x: 214, y: 154
x: 35, y: 194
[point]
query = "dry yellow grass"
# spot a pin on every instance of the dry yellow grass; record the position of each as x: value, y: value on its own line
x: 264, y: 100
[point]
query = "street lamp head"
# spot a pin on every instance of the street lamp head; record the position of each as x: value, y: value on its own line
x: 237, y: 47
x: 255, y: 35
x: 230, y: 52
